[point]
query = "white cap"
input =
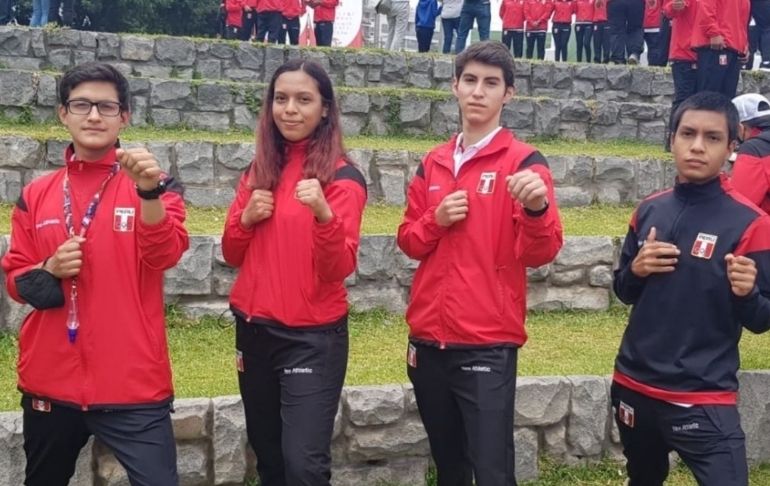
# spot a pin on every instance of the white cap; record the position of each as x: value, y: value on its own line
x: 751, y: 107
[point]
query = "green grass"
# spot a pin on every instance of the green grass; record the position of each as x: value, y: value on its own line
x: 616, y: 148
x: 560, y: 343
x: 384, y: 219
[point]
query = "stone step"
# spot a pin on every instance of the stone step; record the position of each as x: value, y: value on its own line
x: 210, y: 171
x: 579, y: 278
x: 221, y: 106
x: 199, y: 58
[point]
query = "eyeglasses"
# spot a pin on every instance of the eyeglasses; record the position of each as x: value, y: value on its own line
x: 84, y: 107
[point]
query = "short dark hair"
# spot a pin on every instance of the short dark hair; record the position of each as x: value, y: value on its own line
x: 491, y: 53
x: 94, y: 71
x: 710, y: 101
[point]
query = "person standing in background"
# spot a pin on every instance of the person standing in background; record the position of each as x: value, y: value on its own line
x: 601, y: 33
x: 234, y: 19
x: 249, y: 23
x: 425, y: 23
x: 478, y: 10
x: 6, y: 11
x: 67, y: 8
x: 625, y: 19
x: 562, y: 27
x: 39, y: 13
x: 584, y: 17
x: 292, y: 10
x: 269, y: 20
x: 751, y: 169
x: 512, y: 15
x: 450, y: 22
x: 652, y: 33
x: 323, y: 17
x: 760, y: 12
x: 398, y: 21
x: 537, y: 13
x: 683, y: 60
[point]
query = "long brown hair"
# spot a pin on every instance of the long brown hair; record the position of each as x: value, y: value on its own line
x: 325, y: 147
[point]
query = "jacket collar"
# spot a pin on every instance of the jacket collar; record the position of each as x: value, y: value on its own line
x: 500, y: 142
x: 694, y: 193
x: 75, y: 165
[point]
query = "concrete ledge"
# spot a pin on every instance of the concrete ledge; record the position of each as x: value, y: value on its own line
x: 379, y: 437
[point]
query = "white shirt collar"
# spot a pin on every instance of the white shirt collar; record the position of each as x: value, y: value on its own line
x: 461, y: 156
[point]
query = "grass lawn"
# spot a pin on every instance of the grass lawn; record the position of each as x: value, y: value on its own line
x: 617, y: 148
x: 560, y: 343
x: 384, y: 219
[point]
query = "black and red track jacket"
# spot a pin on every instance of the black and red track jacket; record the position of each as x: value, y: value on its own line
x: 470, y: 288
x: 120, y: 357
x: 682, y: 26
x: 728, y: 18
x: 291, y: 269
x: 681, y: 343
x: 751, y: 170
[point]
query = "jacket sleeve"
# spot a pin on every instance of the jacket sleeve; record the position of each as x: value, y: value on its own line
x: 753, y: 310
x: 236, y: 237
x: 670, y: 12
x: 750, y: 177
x: 335, y: 243
x: 543, y: 20
x: 419, y: 233
x: 502, y: 10
x: 707, y: 18
x: 161, y: 245
x: 539, y: 238
x: 23, y: 254
x: 328, y: 3
x: 627, y: 286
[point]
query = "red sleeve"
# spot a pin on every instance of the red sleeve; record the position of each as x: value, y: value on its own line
x: 236, y: 238
x: 161, y: 245
x: 549, y: 7
x: 335, y: 244
x: 539, y: 236
x: 750, y: 178
x: 328, y: 3
x: 502, y: 10
x: 419, y: 234
x: 23, y: 254
x: 707, y: 18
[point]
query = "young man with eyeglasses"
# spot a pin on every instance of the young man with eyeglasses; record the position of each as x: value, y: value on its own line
x: 89, y: 246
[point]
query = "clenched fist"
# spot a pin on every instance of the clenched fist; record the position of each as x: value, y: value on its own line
x: 528, y: 188
x: 655, y: 257
x: 310, y: 193
x: 259, y: 207
x: 453, y: 208
x: 140, y: 165
x: 67, y: 260
x: 742, y: 274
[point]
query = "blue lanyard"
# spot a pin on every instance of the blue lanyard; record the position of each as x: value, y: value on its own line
x: 73, y: 322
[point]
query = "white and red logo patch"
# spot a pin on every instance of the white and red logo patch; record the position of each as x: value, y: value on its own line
x: 123, y: 220
x: 486, y: 183
x: 411, y: 356
x: 41, y: 405
x: 626, y: 414
x: 239, y: 361
x: 704, y: 246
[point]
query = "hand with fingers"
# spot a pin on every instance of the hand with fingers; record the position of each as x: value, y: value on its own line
x: 310, y: 193
x: 529, y: 189
x: 67, y: 260
x: 140, y: 165
x: 260, y: 207
x: 453, y: 208
x: 655, y: 257
x: 742, y: 274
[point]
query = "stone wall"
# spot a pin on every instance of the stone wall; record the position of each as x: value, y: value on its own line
x: 220, y: 105
x: 579, y: 278
x: 210, y: 171
x: 379, y: 438
x: 185, y: 58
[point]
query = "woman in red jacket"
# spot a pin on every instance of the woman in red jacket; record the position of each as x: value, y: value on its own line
x: 584, y: 18
x: 537, y: 13
x: 512, y: 15
x: 292, y: 10
x: 293, y: 233
x: 562, y: 27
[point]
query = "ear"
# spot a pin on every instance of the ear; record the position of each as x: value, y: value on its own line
x: 62, y: 112
x: 509, y: 92
x: 125, y: 118
x: 454, y: 86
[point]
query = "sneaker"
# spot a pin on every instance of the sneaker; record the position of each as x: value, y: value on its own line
x: 633, y: 59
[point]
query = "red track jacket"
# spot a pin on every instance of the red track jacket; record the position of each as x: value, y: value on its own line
x: 537, y: 13
x: 652, y: 15
x: 751, y: 170
x: 512, y: 14
x: 293, y: 8
x: 292, y: 269
x: 682, y: 25
x: 269, y: 6
x: 600, y: 12
x: 471, y: 284
x: 584, y: 11
x: 563, y: 10
x: 120, y: 357
x: 728, y: 18
x: 325, y: 10
x: 234, y: 9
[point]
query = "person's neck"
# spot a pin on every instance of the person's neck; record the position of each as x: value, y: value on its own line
x: 91, y: 155
x: 474, y: 134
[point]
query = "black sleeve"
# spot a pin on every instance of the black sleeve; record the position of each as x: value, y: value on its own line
x: 627, y: 286
x: 40, y: 289
x: 753, y: 310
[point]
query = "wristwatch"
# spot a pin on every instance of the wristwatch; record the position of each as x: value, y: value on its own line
x: 152, y: 193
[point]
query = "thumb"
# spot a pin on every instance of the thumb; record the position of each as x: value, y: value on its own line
x: 729, y: 258
x: 651, y: 236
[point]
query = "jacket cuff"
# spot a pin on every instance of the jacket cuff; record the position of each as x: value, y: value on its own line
x: 430, y: 223
x: 40, y: 289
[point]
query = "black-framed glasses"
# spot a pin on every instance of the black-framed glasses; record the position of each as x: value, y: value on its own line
x: 84, y: 107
